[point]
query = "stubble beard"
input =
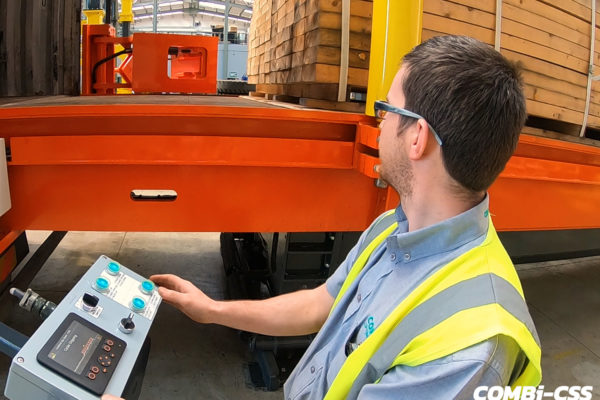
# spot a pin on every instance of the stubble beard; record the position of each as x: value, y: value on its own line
x: 400, y: 176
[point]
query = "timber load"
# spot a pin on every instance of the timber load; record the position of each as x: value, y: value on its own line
x: 296, y: 46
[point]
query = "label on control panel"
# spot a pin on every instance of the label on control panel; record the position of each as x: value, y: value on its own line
x: 95, y: 313
x: 124, y: 288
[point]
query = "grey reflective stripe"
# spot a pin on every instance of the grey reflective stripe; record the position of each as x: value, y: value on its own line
x: 377, y: 228
x: 475, y: 292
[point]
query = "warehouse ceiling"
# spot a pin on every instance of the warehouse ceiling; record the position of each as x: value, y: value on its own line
x: 240, y: 10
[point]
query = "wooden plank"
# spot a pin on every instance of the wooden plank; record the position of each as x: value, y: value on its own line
x: 556, y: 98
x: 553, y: 83
x: 332, y: 38
x: 544, y: 53
x: 327, y: 20
x: 524, y: 16
x: 571, y: 7
x: 460, y: 12
x: 543, y: 38
x: 547, y: 68
x: 324, y: 73
x: 331, y: 55
x: 450, y: 26
x: 284, y: 49
x: 481, y: 5
x: 357, y: 7
x: 333, y: 105
x: 553, y: 112
x: 548, y: 11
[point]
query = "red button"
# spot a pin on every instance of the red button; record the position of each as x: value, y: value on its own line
x: 95, y: 369
x: 92, y: 375
x: 109, y: 342
x: 106, y: 348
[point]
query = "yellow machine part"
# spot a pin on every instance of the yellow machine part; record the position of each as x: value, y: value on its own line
x: 396, y: 30
x: 120, y: 59
x: 93, y: 17
x: 126, y: 11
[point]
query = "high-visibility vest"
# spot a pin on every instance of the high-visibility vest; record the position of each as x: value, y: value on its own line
x: 473, y: 298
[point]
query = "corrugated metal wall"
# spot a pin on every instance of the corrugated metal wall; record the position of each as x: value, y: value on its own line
x: 39, y: 47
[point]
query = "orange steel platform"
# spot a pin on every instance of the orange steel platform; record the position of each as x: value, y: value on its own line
x: 239, y: 165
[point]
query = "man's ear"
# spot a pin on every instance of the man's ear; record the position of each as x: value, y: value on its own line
x: 418, y: 137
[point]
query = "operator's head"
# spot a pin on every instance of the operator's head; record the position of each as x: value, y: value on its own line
x: 467, y: 94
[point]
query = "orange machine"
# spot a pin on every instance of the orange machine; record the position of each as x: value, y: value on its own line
x: 237, y: 167
x: 155, y: 63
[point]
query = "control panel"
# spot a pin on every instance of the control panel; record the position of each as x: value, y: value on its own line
x: 92, y: 342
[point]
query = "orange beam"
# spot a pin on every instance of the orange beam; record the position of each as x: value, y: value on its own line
x: 249, y: 169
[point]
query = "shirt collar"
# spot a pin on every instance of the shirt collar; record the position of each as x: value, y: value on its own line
x: 441, y: 237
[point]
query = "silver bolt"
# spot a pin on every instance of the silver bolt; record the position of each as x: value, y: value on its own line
x: 380, y: 183
x: 20, y: 360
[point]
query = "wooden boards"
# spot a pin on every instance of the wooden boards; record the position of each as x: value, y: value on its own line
x: 297, y: 44
x: 550, y: 39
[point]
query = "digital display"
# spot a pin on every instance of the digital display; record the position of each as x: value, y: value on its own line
x: 75, y: 347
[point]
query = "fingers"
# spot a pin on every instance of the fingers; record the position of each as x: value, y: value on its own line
x: 110, y: 397
x: 171, y: 296
x: 169, y: 281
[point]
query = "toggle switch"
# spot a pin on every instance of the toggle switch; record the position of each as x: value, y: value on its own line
x: 126, y: 325
x: 89, y: 302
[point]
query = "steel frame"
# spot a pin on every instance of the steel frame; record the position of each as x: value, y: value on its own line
x: 242, y: 169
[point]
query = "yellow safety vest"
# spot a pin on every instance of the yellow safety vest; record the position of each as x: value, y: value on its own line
x: 473, y: 298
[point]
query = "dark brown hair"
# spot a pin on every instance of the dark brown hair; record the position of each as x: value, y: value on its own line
x: 472, y: 96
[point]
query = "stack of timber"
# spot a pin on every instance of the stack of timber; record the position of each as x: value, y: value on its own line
x: 295, y: 50
x: 296, y: 46
x: 549, y: 38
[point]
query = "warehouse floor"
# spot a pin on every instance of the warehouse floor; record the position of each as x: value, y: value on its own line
x: 191, y: 361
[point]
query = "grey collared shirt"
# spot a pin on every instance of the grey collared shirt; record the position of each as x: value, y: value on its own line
x: 403, y: 261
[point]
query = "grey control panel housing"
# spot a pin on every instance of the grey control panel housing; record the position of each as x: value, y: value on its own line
x: 120, y: 293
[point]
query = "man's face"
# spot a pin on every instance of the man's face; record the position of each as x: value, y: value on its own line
x: 395, y: 166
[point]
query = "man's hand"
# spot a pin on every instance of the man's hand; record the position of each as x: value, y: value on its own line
x: 110, y: 397
x: 291, y: 314
x: 186, y: 297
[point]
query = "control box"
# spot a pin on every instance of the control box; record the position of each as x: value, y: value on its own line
x: 92, y: 342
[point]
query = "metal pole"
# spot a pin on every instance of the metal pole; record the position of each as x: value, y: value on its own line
x: 155, y: 16
x: 498, y: 35
x: 588, y: 94
x: 226, y: 41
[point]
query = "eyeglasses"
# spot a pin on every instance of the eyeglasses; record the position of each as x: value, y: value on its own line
x: 383, y: 107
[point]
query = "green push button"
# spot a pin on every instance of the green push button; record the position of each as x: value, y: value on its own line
x: 138, y: 304
x: 113, y: 268
x: 147, y: 287
x: 101, y: 284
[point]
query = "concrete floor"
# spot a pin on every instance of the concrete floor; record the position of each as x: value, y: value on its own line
x: 191, y: 361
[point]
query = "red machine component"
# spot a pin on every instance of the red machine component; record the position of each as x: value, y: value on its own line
x: 154, y: 63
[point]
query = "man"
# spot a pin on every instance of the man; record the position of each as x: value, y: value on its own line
x: 427, y: 305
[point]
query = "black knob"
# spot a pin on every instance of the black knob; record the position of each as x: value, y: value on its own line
x: 90, y: 302
x: 126, y: 325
